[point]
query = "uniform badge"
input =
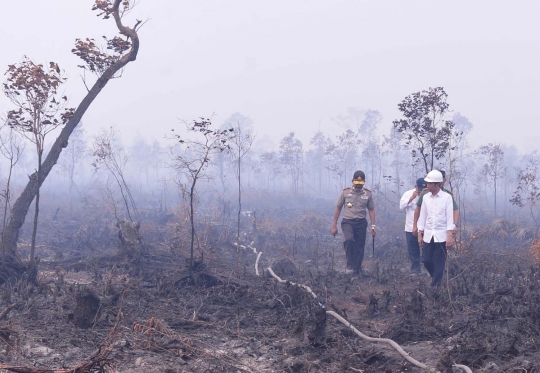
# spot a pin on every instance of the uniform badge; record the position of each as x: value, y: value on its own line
x: 349, y: 205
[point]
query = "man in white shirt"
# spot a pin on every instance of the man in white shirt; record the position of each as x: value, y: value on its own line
x: 435, y: 227
x: 408, y: 204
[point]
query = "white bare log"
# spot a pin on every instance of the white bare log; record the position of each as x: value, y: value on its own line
x: 390, y: 342
x: 247, y: 247
x: 257, y: 263
x: 381, y: 340
x: 306, y: 288
x: 464, y: 367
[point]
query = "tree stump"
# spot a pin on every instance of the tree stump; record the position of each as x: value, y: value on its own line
x: 86, y: 309
x: 311, y: 323
x: 315, y: 330
x: 284, y: 267
x: 131, y: 242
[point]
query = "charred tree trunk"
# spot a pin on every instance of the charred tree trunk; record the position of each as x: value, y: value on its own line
x: 36, y: 212
x: 131, y: 245
x: 22, y: 205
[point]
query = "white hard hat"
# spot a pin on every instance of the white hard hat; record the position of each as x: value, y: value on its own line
x: 434, y: 177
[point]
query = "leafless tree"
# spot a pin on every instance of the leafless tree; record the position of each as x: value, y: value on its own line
x: 398, y: 161
x: 73, y: 155
x: 270, y: 165
x: 191, y: 158
x: 317, y: 154
x: 372, y: 148
x: 527, y: 192
x: 240, y: 145
x: 493, y: 167
x: 343, y: 154
x: 109, y: 154
x: 291, y: 155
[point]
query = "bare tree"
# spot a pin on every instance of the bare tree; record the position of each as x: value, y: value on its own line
x: 240, y: 145
x: 527, y: 192
x: 372, y: 147
x: 191, y: 159
x: 270, y: 164
x: 398, y: 162
x: 493, y: 167
x: 351, y: 120
x: 459, y: 165
x: 456, y: 151
x: 318, y: 155
x: 144, y: 156
x: 106, y: 64
x: 291, y: 156
x: 343, y: 155
x: 73, y: 155
x: 109, y: 154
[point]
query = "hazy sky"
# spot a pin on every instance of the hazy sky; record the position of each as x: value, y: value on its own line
x: 293, y: 65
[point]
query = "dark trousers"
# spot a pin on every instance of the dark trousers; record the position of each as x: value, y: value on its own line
x: 434, y: 258
x: 414, y: 252
x: 354, y: 231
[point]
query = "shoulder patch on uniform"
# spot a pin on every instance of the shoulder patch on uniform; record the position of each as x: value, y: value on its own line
x: 346, y: 188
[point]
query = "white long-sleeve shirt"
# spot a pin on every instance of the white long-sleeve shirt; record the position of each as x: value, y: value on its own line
x: 409, y: 209
x: 436, y: 216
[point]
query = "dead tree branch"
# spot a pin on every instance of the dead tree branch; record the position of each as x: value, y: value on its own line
x: 390, y: 342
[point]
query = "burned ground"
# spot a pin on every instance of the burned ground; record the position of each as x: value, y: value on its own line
x: 96, y: 308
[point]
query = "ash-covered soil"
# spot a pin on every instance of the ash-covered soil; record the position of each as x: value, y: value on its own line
x: 93, y: 309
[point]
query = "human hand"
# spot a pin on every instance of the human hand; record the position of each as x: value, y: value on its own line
x: 334, y: 230
x: 450, y: 239
x: 420, y: 238
x: 415, y: 230
x: 373, y: 231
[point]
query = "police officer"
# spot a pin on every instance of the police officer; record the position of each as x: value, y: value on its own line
x: 358, y: 201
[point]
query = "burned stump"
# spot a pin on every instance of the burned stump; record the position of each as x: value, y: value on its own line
x: 284, y: 267
x: 311, y: 322
x: 86, y: 309
x: 315, y: 326
x: 131, y: 242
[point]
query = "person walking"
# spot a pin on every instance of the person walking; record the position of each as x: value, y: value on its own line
x: 407, y: 203
x: 421, y: 198
x: 435, y: 227
x: 358, y: 202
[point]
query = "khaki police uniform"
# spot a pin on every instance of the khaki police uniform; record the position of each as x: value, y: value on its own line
x: 355, y: 205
